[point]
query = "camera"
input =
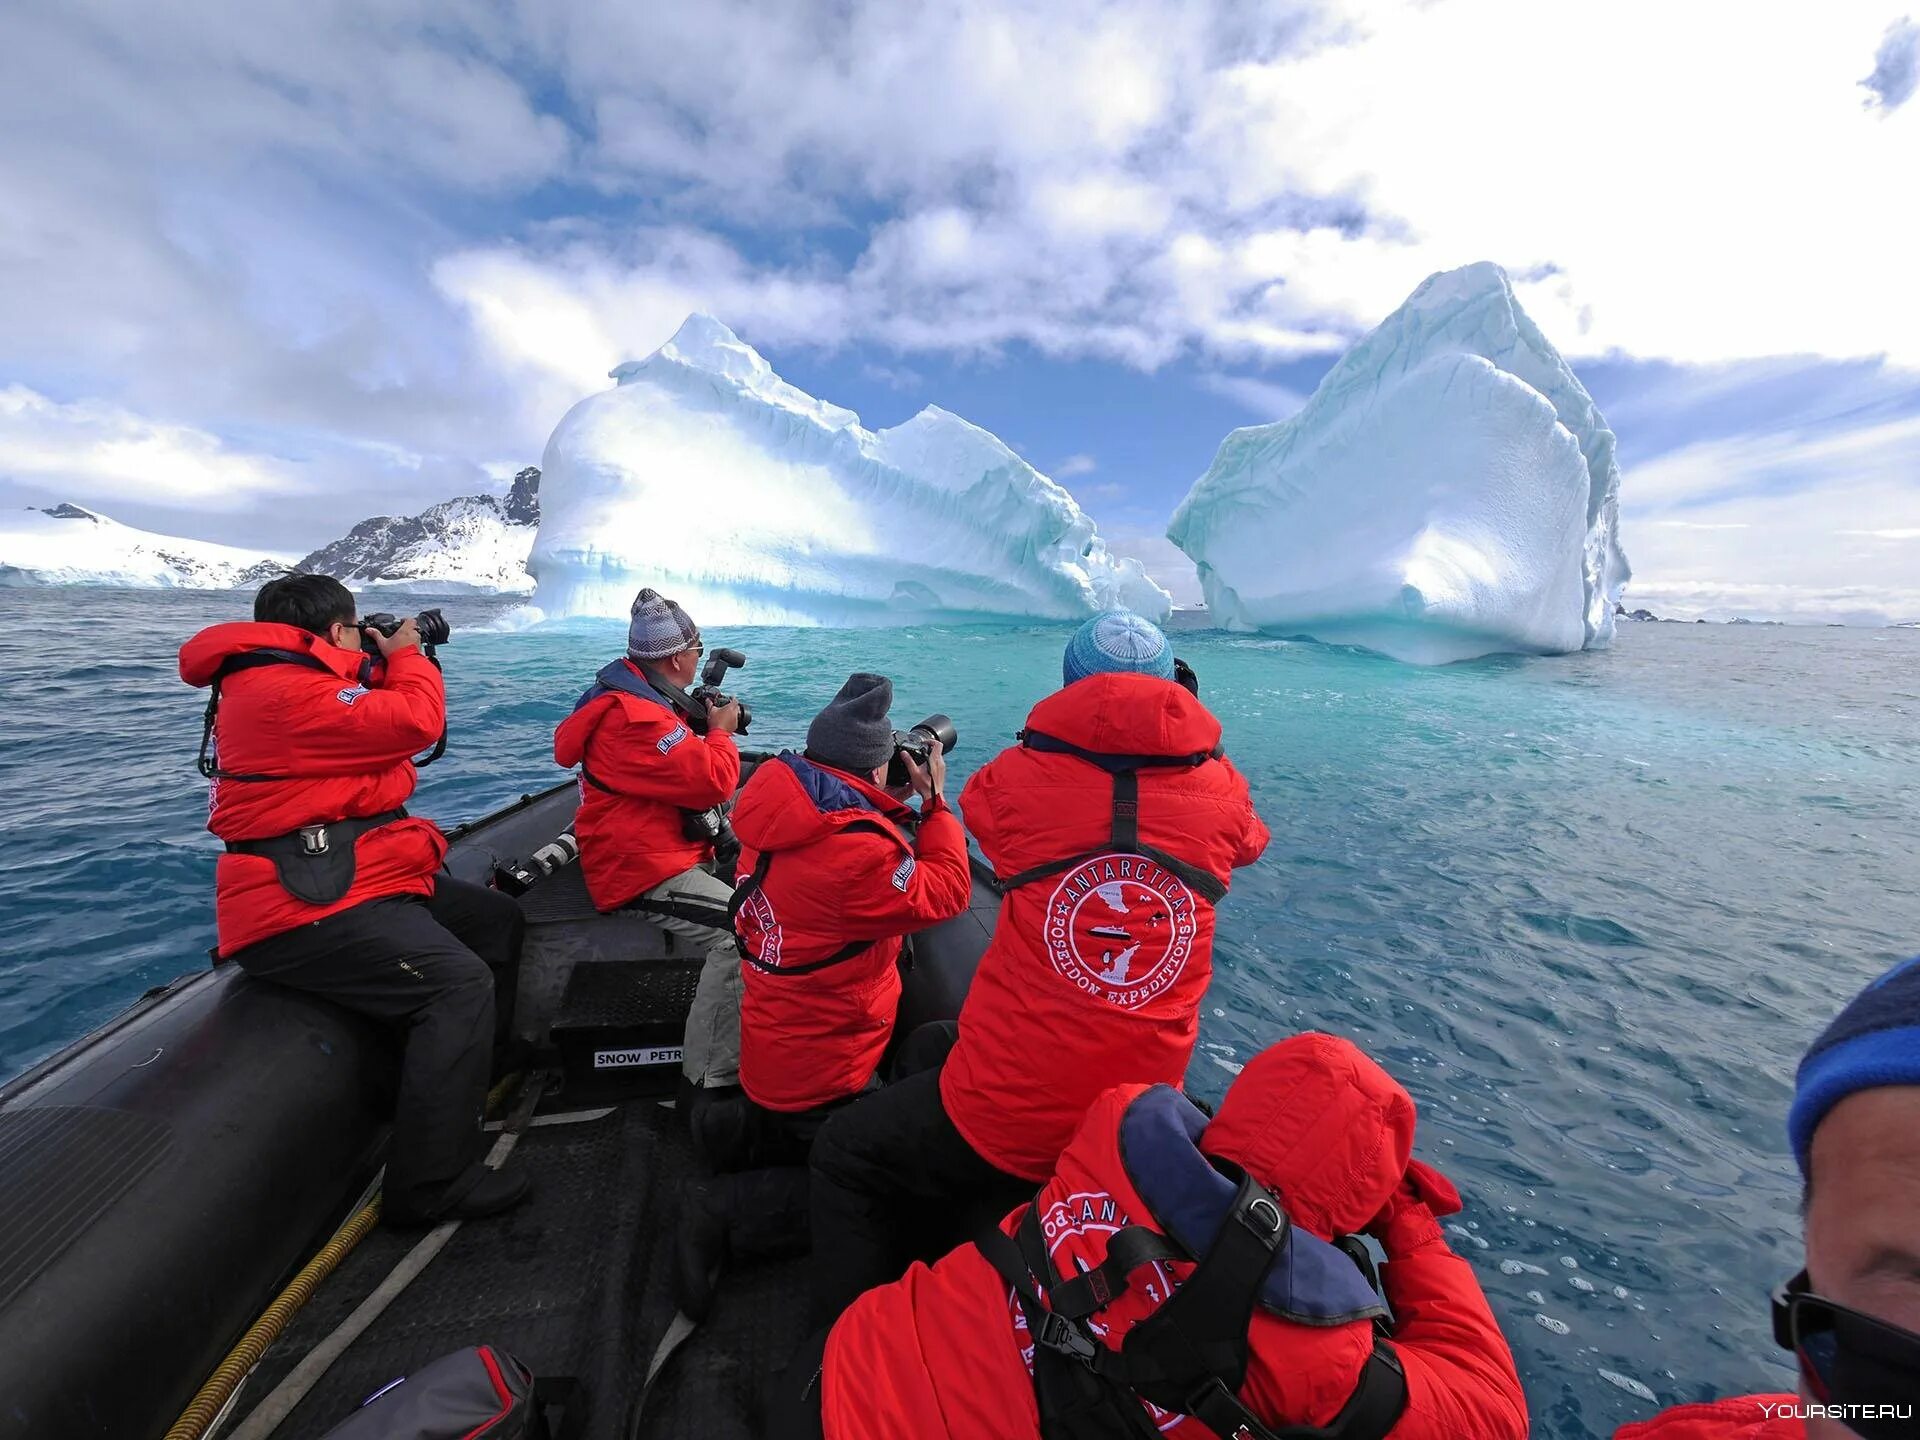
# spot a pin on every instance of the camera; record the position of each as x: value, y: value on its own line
x: 433, y: 626
x: 715, y: 670
x: 918, y: 742
x: 516, y: 877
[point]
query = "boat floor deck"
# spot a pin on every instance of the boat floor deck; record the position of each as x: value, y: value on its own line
x: 576, y: 1283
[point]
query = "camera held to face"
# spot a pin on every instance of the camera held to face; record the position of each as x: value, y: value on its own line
x: 433, y: 627
x: 708, y: 691
x: 918, y: 742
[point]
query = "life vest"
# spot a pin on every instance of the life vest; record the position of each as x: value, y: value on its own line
x: 1124, y: 838
x: 316, y: 863
x: 830, y: 793
x: 618, y: 675
x: 207, y: 762
x: 1190, y: 1355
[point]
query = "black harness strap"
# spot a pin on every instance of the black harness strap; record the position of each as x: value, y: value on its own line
x: 1124, y: 838
x: 1190, y: 1356
x: 1094, y: 1290
x: 744, y: 891
x: 316, y: 863
x: 209, y: 765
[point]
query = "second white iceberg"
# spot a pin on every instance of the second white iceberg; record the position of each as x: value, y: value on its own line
x: 1449, y: 491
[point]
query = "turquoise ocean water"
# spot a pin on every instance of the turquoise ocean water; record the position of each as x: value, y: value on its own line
x: 1589, y: 910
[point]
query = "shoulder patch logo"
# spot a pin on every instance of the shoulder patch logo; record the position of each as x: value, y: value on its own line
x: 351, y: 694
x: 902, y: 873
x: 672, y: 738
x: 1121, y: 929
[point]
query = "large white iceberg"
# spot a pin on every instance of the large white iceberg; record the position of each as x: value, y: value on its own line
x: 709, y: 477
x: 1449, y: 491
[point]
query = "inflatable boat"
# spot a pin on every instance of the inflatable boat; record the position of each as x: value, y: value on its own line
x: 188, y: 1248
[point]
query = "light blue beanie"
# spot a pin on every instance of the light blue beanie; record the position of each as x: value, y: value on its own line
x: 1117, y: 641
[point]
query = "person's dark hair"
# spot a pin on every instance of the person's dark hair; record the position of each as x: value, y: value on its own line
x: 312, y: 602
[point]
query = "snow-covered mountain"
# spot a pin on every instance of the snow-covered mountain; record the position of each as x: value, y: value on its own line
x: 1449, y: 491
x: 473, y: 543
x: 707, y: 476
x: 69, y: 545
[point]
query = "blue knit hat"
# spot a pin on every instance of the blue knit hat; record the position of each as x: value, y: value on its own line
x: 1117, y: 640
x: 659, y: 627
x: 1872, y: 1043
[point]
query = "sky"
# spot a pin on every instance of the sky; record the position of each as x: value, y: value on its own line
x: 268, y: 267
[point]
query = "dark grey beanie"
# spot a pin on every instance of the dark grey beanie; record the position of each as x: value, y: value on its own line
x: 853, y: 732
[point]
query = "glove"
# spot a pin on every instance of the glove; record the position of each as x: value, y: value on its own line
x: 1409, y: 1220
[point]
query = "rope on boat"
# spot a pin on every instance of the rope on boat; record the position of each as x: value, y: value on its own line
x: 211, y: 1401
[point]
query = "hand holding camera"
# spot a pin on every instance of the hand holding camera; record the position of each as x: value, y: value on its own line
x: 389, y: 633
x: 928, y: 780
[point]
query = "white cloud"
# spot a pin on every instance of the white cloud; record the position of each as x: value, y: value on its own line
x: 1262, y: 399
x: 1896, y: 67
x: 1771, y: 525
x: 91, y: 451
x: 1075, y: 465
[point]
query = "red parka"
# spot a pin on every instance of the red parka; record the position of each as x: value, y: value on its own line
x: 346, y: 752
x: 1737, y: 1419
x: 652, y: 766
x: 813, y: 1038
x: 944, y: 1354
x: 1093, y: 976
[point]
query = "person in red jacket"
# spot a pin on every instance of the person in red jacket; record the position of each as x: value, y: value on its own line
x: 1100, y: 1271
x: 1851, y: 1317
x: 329, y: 886
x: 830, y: 883
x: 833, y: 873
x: 1112, y: 828
x: 653, y: 759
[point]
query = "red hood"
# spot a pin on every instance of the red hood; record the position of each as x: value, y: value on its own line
x: 781, y: 810
x: 202, y: 656
x: 1123, y: 714
x: 1316, y: 1120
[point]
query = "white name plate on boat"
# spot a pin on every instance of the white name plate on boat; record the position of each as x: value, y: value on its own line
x: 622, y: 1059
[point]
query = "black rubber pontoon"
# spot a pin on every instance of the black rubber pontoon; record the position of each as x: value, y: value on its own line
x: 163, y: 1177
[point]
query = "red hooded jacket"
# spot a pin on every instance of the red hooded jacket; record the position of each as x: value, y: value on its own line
x: 1741, y: 1419
x: 1095, y: 975
x: 943, y: 1353
x: 346, y: 752
x: 814, y: 1038
x: 652, y: 766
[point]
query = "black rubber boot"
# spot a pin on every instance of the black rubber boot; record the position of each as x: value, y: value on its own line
x: 494, y: 1193
x: 752, y: 1215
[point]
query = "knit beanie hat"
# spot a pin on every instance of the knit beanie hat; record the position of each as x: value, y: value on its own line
x: 659, y: 627
x: 853, y: 732
x: 1117, y: 640
x: 1874, y: 1042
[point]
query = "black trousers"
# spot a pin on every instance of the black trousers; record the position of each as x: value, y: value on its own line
x: 445, y: 968
x: 794, y: 1394
x: 893, y: 1181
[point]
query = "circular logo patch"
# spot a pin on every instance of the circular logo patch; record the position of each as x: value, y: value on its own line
x: 759, y: 927
x: 1120, y: 927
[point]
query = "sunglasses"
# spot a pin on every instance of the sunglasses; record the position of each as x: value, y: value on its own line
x: 1852, y: 1361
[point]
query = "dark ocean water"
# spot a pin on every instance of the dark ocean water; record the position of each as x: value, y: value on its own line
x: 1590, y: 910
